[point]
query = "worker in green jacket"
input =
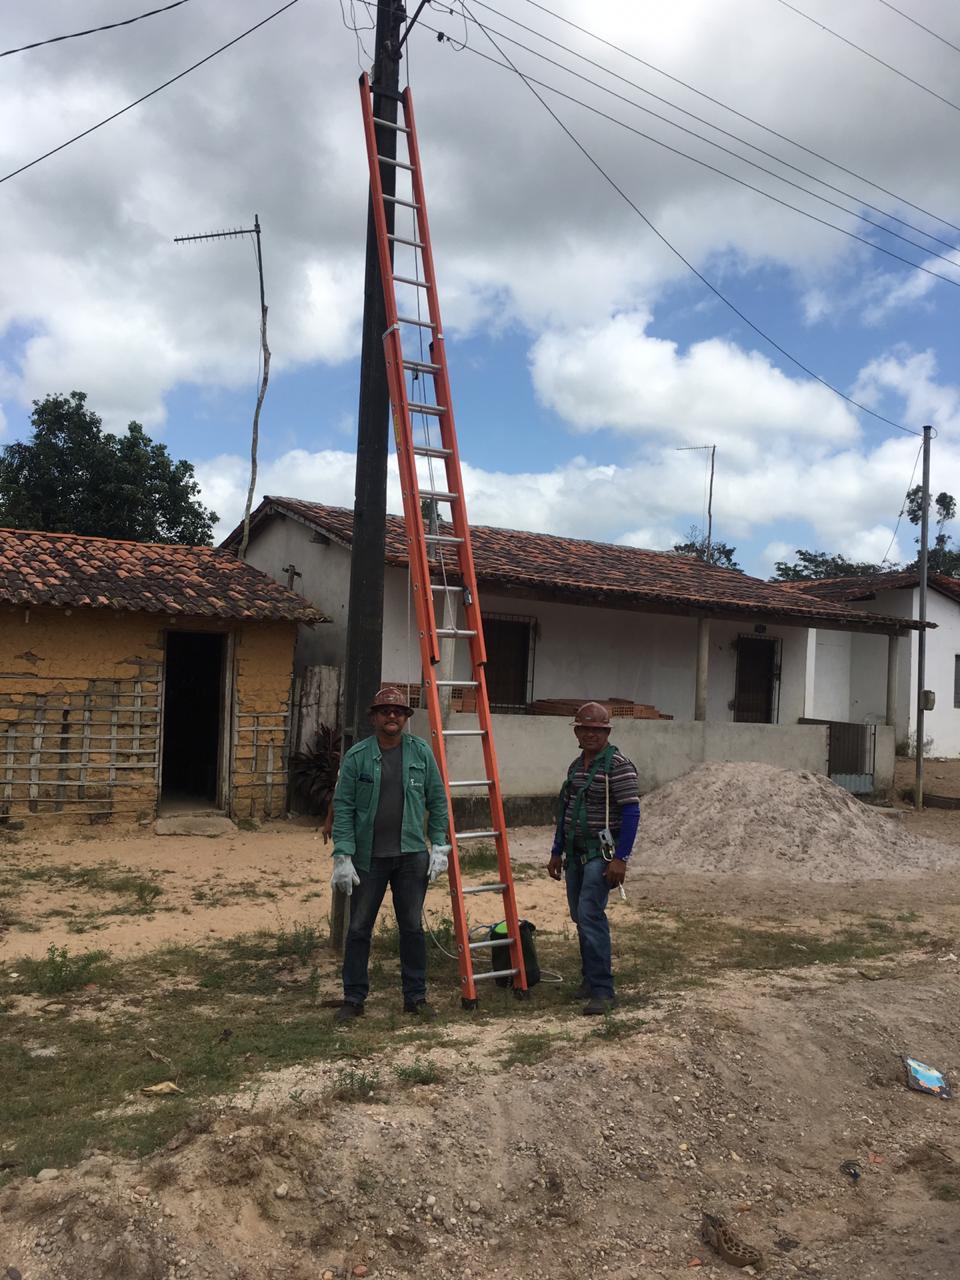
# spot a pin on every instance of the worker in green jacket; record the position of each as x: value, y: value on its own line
x: 389, y: 828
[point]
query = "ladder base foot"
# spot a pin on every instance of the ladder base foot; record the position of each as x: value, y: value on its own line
x: 468, y: 1004
x: 521, y: 993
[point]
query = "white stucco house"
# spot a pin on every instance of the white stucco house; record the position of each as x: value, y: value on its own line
x: 719, y: 653
x: 846, y: 672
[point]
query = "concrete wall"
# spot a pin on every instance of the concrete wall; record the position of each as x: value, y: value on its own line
x: 80, y: 713
x: 534, y: 752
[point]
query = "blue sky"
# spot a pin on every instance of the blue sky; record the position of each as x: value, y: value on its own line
x: 582, y: 353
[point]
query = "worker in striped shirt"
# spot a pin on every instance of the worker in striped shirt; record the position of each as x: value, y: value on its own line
x: 599, y: 813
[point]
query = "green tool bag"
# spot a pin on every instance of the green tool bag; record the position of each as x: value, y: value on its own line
x: 527, y: 945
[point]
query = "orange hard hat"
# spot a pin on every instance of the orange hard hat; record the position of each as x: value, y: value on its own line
x: 390, y: 696
x: 592, y: 715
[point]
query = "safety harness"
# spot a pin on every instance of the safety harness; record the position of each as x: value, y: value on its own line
x: 578, y: 825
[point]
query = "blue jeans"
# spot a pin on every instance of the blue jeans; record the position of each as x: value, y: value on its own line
x: 407, y: 877
x: 587, y: 893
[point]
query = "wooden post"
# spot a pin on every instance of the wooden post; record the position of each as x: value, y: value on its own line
x: 893, y: 662
x: 703, y: 663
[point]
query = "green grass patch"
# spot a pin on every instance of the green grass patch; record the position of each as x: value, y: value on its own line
x: 476, y: 859
x: 300, y: 940
x: 419, y: 1072
x: 353, y: 1085
x: 946, y: 1191
x: 58, y: 971
x: 532, y: 1047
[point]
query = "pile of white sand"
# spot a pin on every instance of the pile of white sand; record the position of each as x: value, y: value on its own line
x: 756, y: 820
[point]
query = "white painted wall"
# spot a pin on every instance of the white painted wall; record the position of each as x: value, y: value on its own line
x: 581, y: 651
x: 943, y: 645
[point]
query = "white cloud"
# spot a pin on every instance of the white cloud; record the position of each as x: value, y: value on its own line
x: 617, y: 375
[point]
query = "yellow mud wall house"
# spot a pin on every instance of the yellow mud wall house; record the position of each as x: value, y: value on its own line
x: 141, y: 679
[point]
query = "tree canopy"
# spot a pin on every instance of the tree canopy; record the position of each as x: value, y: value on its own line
x: 72, y: 477
x: 941, y: 556
x: 718, y: 553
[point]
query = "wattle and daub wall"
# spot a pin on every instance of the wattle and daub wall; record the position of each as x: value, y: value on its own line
x: 81, y: 714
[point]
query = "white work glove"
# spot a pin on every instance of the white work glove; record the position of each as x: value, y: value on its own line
x: 344, y: 876
x: 439, y: 857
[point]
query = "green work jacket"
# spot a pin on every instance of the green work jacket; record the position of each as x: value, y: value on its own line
x: 357, y: 796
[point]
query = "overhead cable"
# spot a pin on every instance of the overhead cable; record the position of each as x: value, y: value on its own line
x: 903, y: 509
x: 92, y: 31
x: 929, y: 30
x: 872, y: 56
x: 710, y: 125
x: 166, y: 84
x: 952, y: 260
x: 740, y: 114
x: 677, y: 253
x: 508, y: 65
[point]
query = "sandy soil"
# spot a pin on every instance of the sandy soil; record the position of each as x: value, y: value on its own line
x: 743, y: 1098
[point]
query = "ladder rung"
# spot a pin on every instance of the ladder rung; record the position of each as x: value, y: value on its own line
x: 471, y: 782
x: 495, y: 973
x: 463, y: 733
x: 435, y: 410
x: 424, y: 324
x: 453, y: 631
x: 475, y: 835
x: 421, y: 366
x: 391, y: 124
x: 431, y: 451
x: 409, y: 204
x: 484, y: 888
x: 416, y: 244
x: 441, y: 537
x: 442, y: 586
x: 421, y: 284
x: 489, y: 943
x: 457, y: 684
x: 399, y: 164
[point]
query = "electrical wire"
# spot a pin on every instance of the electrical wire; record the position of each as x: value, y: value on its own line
x: 872, y: 56
x: 166, y: 84
x: 717, y: 102
x: 675, y: 106
x: 92, y: 31
x: 903, y: 508
x: 737, y: 156
x: 930, y: 32
x: 686, y: 261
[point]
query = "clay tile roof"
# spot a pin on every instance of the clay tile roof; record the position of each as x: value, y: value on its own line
x: 866, y: 586
x: 598, y: 572
x: 70, y: 571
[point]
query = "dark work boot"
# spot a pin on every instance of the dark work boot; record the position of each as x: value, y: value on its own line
x: 348, y: 1011
x: 420, y: 1009
x: 597, y: 1006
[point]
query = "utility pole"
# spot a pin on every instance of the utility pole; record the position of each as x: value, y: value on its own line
x: 922, y: 634
x: 265, y: 351
x: 364, y: 648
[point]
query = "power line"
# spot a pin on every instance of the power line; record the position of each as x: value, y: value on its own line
x: 710, y: 125
x: 930, y: 32
x: 735, y: 155
x: 92, y: 31
x: 677, y: 253
x: 705, y: 164
x: 741, y: 115
x: 166, y: 84
x: 872, y: 56
x: 903, y: 509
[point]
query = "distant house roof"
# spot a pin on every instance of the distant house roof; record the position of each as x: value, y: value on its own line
x: 867, y: 586
x: 67, y: 570
x: 583, y: 572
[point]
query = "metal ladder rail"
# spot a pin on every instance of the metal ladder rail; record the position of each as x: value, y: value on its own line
x: 417, y: 547
x: 461, y: 527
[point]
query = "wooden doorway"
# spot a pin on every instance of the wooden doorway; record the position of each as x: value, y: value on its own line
x: 757, y: 680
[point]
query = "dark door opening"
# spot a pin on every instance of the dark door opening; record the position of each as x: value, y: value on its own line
x: 192, y: 719
x: 507, y: 641
x: 753, y: 698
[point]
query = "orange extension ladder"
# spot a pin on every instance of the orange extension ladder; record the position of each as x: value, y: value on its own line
x: 425, y: 408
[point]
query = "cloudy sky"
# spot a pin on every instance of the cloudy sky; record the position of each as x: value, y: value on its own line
x: 584, y: 352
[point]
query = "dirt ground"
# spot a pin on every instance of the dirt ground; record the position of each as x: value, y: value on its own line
x: 537, y: 1143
